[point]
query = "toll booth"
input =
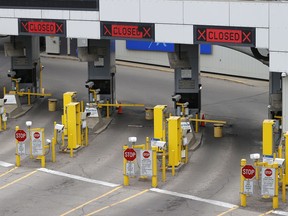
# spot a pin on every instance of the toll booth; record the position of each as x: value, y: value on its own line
x: 185, y: 61
x: 25, y: 62
x: 100, y: 55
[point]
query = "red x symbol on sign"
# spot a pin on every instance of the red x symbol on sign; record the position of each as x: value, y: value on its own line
x: 25, y: 25
x: 107, y: 32
x: 146, y: 32
x: 201, y: 34
x: 246, y: 37
x: 59, y: 28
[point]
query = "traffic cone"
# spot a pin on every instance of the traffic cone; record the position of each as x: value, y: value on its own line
x: 202, y: 124
x: 119, y: 109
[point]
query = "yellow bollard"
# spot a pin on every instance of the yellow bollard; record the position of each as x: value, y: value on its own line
x: 125, y: 176
x: 53, y: 149
x: 147, y: 143
x: 197, y: 124
x: 164, y: 166
x: 242, y: 195
x: 173, y: 166
x: 86, y: 135
x: 275, y: 197
x: 283, y: 189
x: 43, y: 161
x: 17, y: 155
x: 108, y: 111
x: 29, y: 97
x: 256, y: 169
x: 4, y: 91
x: 154, y: 167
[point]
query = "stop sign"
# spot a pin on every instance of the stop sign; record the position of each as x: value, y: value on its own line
x: 20, y: 135
x: 248, y: 171
x: 146, y: 154
x: 130, y: 154
x: 268, y: 172
x: 36, y: 135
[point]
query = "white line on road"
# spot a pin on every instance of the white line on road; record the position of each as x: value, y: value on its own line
x: 108, y: 184
x: 213, y: 202
x: 280, y: 213
x: 4, y: 164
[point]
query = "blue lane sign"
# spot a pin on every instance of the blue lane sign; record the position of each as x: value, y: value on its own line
x: 149, y: 46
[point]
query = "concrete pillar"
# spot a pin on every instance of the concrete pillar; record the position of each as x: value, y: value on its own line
x: 284, y: 102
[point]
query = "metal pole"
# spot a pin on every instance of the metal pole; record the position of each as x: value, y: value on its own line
x: 197, y: 124
x: 154, y: 167
x: 242, y: 195
x: 18, y: 159
x: 164, y: 165
x: 29, y: 97
x: 283, y: 189
x: 275, y: 197
x: 125, y: 176
x: 53, y: 150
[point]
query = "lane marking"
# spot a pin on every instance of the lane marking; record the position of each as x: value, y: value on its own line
x: 108, y: 184
x: 213, y: 202
x: 280, y: 213
x: 266, y: 213
x: 116, y: 203
x: 97, y: 198
x: 5, y: 164
x: 228, y: 211
x: 17, y: 180
x: 3, y: 174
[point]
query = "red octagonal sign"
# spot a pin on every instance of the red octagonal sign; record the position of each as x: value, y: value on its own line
x: 248, y: 171
x: 130, y: 154
x: 20, y: 135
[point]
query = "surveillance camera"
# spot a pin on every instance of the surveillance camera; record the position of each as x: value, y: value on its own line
x: 28, y: 123
x: 59, y: 128
x: 255, y: 156
x: 132, y: 139
x: 97, y: 91
x: 89, y: 84
x: 176, y: 98
x: 283, y: 74
x: 11, y: 74
x: 48, y: 141
x: 186, y: 104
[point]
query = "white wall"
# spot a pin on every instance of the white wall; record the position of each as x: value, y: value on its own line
x: 223, y: 61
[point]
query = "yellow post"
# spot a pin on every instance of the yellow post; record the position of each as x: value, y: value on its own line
x: 18, y: 159
x: 147, y: 143
x: 275, y: 197
x: 29, y: 97
x: 242, y: 195
x: 108, y: 110
x: 280, y: 168
x: 154, y: 167
x: 53, y: 149
x: 43, y: 161
x: 283, y: 189
x: 4, y: 91
x: 256, y: 169
x: 172, y: 154
x: 164, y: 165
x: 125, y: 176
x: 186, y: 154
x: 197, y: 123
x: 86, y: 135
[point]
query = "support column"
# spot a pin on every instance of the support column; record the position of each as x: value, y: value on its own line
x: 275, y: 95
x: 284, y: 102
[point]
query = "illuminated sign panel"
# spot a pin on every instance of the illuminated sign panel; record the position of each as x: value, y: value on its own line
x: 141, y: 31
x: 42, y: 27
x: 224, y: 35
